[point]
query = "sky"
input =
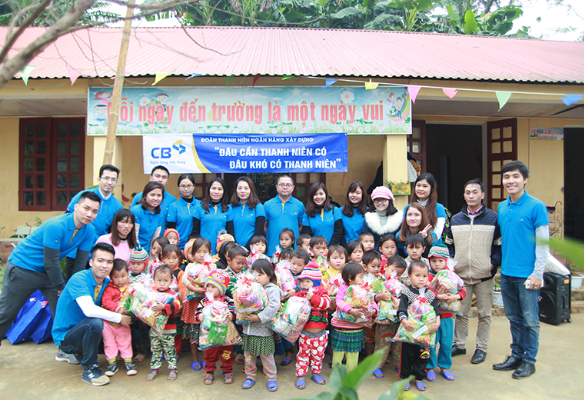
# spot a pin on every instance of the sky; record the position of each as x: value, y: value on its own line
x: 554, y: 19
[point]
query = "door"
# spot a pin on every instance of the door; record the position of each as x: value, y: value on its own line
x: 416, y: 144
x: 502, y: 147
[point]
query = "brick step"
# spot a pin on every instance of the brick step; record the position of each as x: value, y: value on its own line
x: 577, y: 307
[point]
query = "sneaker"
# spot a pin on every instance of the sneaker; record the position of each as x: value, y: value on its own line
x: 131, y: 369
x: 70, y: 358
x: 111, y: 369
x: 94, y: 376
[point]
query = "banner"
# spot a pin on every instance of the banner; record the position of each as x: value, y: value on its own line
x: 547, y: 133
x: 245, y: 153
x: 274, y: 110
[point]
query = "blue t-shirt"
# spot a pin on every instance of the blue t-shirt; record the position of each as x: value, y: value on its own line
x: 164, y: 207
x: 108, y: 208
x: 213, y: 221
x: 148, y: 222
x: 280, y: 215
x: 352, y: 227
x: 68, y: 313
x: 245, y: 222
x: 181, y: 212
x: 323, y: 224
x: 518, y: 222
x: 57, y: 233
x: 441, y: 213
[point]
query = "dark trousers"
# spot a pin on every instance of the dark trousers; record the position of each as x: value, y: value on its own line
x: 83, y: 341
x: 212, y: 355
x: 19, y: 284
x: 413, y: 361
x: 69, y: 263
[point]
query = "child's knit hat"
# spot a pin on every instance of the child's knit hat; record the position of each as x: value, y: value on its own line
x: 382, y: 192
x: 188, y: 247
x: 139, y: 255
x: 219, y: 279
x: 312, y: 272
x: 224, y: 237
x: 440, y: 251
x: 171, y: 230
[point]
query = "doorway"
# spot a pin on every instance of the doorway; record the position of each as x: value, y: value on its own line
x: 573, y: 187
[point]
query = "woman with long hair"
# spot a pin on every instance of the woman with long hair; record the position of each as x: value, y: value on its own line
x: 214, y: 214
x: 247, y: 210
x: 321, y: 218
x: 352, y: 213
x: 425, y: 194
x: 415, y: 221
x: 149, y: 218
x: 383, y: 217
x: 180, y: 214
x: 122, y: 234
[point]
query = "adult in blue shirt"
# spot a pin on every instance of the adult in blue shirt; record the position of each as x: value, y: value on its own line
x: 425, y: 194
x: 352, y: 213
x: 181, y: 212
x: 148, y: 213
x: 159, y: 174
x: 79, y: 320
x: 283, y: 211
x: 34, y: 263
x: 247, y: 210
x: 524, y: 224
x: 214, y: 214
x: 321, y: 218
x: 108, y: 207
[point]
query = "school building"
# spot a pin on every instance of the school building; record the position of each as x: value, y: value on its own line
x: 457, y: 128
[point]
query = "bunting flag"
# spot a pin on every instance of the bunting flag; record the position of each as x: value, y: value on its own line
x: 73, y: 74
x: 371, y: 85
x: 413, y: 92
x: 192, y: 76
x: 503, y: 98
x: 450, y: 92
x: 329, y: 82
x: 159, y: 77
x: 255, y: 79
x: 25, y: 73
x: 229, y: 78
x: 285, y: 77
x: 571, y: 98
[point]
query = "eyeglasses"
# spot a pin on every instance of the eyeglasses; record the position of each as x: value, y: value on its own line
x: 186, y: 187
x: 380, y: 200
x: 108, y: 179
x: 285, y: 185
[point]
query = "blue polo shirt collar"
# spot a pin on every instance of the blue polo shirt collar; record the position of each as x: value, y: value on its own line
x: 520, y: 201
x: 280, y: 200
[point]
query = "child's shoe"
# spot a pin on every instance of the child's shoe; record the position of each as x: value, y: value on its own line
x: 131, y: 370
x: 172, y: 375
x: 111, y: 369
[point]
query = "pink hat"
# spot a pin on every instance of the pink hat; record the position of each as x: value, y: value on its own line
x: 312, y: 272
x: 382, y: 192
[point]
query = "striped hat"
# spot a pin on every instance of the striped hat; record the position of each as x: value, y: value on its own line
x: 139, y: 255
x: 312, y: 272
x: 439, y: 250
x: 218, y: 278
x: 223, y: 236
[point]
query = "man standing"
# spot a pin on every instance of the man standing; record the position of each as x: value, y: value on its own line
x: 34, y: 263
x: 160, y: 174
x: 523, y: 221
x: 79, y: 321
x: 108, y: 207
x: 474, y: 242
x: 283, y: 211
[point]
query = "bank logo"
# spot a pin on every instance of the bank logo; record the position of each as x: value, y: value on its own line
x: 179, y: 147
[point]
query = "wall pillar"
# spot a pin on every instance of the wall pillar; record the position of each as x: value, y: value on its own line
x: 99, y: 146
x: 395, y: 160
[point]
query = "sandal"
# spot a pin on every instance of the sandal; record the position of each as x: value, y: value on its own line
x: 378, y: 373
x: 301, y: 384
x: 285, y: 361
x: 196, y: 366
x: 228, y: 378
x: 208, y: 380
x: 421, y: 386
x: 152, y: 375
x: 407, y: 387
x: 431, y: 377
x: 272, y: 386
x: 248, y: 383
x: 318, y: 379
x: 172, y: 375
x: 447, y: 374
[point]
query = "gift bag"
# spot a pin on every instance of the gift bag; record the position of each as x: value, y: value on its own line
x: 447, y: 281
x: 292, y: 319
x: 197, y: 276
x: 249, y: 296
x: 126, y: 298
x: 143, y: 298
x: 421, y: 315
x: 388, y: 309
x: 253, y: 256
x: 321, y: 261
x: 333, y: 284
x: 276, y: 255
x: 284, y: 278
x: 217, y: 329
x: 359, y: 297
x: 34, y: 315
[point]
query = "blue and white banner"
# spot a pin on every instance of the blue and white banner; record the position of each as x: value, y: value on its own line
x: 246, y: 153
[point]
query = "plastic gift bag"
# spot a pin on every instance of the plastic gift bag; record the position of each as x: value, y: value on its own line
x: 126, y: 298
x: 276, y: 255
x: 447, y: 281
x: 33, y: 317
x: 333, y: 284
x: 421, y: 315
x: 197, y: 277
x: 388, y: 309
x: 249, y: 296
x: 143, y: 299
x: 321, y: 261
x: 217, y: 329
x: 360, y: 297
x: 284, y: 278
x: 253, y: 256
x: 292, y: 319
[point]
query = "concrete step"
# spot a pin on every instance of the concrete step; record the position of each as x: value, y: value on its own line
x: 577, y: 295
x: 577, y: 307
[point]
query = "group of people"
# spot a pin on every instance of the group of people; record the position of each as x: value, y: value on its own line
x: 161, y: 238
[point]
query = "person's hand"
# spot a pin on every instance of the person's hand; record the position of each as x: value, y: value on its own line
x: 441, y: 296
x: 59, y: 293
x: 251, y: 317
x: 425, y: 231
x: 370, y: 313
x: 123, y: 311
x: 535, y: 283
x: 407, y: 325
x: 125, y: 321
x: 492, y: 266
x: 434, y: 327
x: 383, y: 296
x: 158, y: 307
x: 450, y: 298
x: 309, y: 295
x: 200, y: 317
x: 355, y: 312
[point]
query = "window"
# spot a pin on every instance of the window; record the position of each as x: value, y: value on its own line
x: 303, y: 182
x: 51, y: 162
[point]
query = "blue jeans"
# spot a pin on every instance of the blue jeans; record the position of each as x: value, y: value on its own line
x: 83, y: 340
x: 521, y: 307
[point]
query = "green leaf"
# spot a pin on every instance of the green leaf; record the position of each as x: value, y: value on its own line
x: 470, y: 23
x: 572, y: 249
x: 323, y: 3
x: 396, y: 389
x: 345, y: 12
x: 369, y: 3
x: 321, y: 396
x: 336, y: 378
x: 349, y: 393
x: 294, y: 15
x: 363, y: 371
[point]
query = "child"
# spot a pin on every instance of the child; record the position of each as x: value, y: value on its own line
x: 287, y: 238
x: 371, y: 261
x: 117, y: 337
x: 138, y: 264
x: 216, y: 283
x: 356, y: 251
x: 221, y: 261
x: 313, y: 339
x: 187, y: 251
x: 367, y: 240
x: 303, y: 242
x: 172, y: 236
x: 200, y: 248
x: 348, y: 338
x: 172, y: 256
x: 383, y: 333
x: 257, y: 335
x: 222, y: 237
x: 415, y: 247
x: 318, y: 246
x: 388, y: 247
x: 156, y: 253
x: 336, y: 258
x: 438, y: 257
x: 298, y: 259
x: 236, y: 263
x: 285, y: 254
x: 260, y: 244
x: 164, y: 343
x: 414, y: 358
